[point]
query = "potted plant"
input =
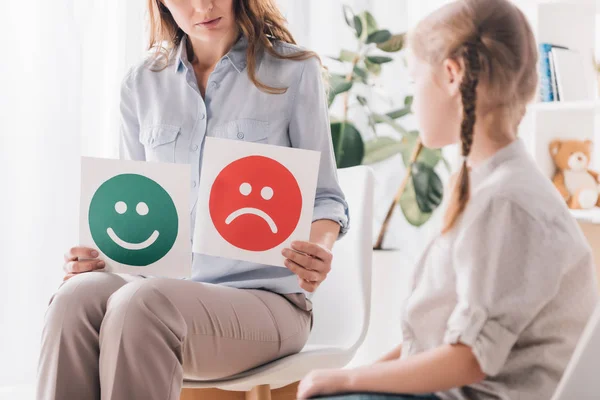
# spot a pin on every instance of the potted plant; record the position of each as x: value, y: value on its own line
x: 421, y: 190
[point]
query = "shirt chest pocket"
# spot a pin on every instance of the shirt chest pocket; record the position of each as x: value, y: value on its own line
x: 160, y: 142
x: 248, y: 130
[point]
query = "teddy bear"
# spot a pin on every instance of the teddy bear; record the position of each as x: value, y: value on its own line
x: 577, y: 184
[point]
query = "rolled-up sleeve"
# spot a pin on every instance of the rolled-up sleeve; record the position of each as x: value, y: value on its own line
x: 130, y: 147
x: 504, y: 277
x: 309, y: 129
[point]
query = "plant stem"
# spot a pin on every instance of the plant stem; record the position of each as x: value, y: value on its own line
x: 388, y: 217
x: 348, y: 79
x: 346, y: 101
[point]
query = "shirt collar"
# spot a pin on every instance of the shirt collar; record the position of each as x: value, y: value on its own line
x: 516, y: 149
x: 237, y: 55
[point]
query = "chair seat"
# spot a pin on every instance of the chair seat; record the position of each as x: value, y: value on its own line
x: 282, y: 372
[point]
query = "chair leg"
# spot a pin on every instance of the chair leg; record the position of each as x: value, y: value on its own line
x: 285, y: 393
x: 262, y: 392
x: 210, y: 394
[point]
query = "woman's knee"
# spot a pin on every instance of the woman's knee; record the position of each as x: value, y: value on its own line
x: 139, y: 309
x: 82, y: 297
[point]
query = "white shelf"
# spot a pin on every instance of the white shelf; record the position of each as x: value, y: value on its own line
x: 569, y: 23
x: 567, y: 106
x: 589, y: 216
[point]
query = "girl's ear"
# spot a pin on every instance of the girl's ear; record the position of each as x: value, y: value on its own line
x: 452, y: 73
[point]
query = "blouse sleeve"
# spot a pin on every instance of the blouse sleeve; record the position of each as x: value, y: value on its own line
x: 309, y: 129
x: 508, y: 267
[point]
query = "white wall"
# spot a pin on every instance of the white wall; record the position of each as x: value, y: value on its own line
x: 60, y: 67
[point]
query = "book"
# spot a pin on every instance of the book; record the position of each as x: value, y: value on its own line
x: 571, y: 81
x: 545, y: 70
x: 553, y: 78
x: 548, y: 84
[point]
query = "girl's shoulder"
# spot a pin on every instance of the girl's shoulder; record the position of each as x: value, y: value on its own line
x: 520, y: 182
x: 518, y: 195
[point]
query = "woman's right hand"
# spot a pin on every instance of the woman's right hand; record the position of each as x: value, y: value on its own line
x: 79, y: 260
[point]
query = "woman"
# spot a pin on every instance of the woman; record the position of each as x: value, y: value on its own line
x: 230, y: 69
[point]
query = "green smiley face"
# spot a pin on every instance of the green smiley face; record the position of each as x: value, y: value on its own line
x: 133, y: 220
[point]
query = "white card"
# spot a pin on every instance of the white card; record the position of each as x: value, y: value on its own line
x: 254, y: 200
x: 137, y: 215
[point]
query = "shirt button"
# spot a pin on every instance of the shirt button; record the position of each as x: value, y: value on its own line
x: 195, y: 147
x: 223, y: 61
x: 151, y: 140
x: 202, y: 116
x: 194, y: 184
x: 240, y: 135
x: 214, y: 84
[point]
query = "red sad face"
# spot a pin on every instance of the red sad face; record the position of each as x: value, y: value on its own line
x: 255, y: 203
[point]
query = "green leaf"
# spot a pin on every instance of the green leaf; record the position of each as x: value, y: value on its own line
x: 428, y: 187
x: 399, y: 113
x: 393, y: 44
x: 370, y: 22
x: 427, y: 156
x: 410, y: 208
x: 381, y: 149
x: 384, y: 119
x: 408, y: 101
x: 358, y: 26
x: 349, y: 16
x: 379, y: 59
x: 361, y: 73
x: 339, y: 85
x: 379, y: 36
x: 375, y: 69
x: 347, y: 55
x: 348, y: 144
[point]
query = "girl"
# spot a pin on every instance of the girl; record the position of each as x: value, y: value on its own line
x: 502, y: 294
x: 229, y: 69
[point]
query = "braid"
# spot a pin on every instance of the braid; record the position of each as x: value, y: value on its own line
x: 468, y: 91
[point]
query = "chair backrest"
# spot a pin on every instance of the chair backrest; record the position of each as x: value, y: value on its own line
x: 580, y: 380
x: 342, y: 303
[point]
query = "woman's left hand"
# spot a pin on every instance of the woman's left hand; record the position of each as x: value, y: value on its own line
x: 310, y: 261
x: 323, y: 382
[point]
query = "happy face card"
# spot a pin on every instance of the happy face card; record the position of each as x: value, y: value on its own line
x: 254, y: 200
x: 137, y: 215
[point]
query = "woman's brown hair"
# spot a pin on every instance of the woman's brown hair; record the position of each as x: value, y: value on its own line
x: 494, y: 44
x: 259, y: 20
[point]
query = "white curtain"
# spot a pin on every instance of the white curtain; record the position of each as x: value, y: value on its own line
x: 61, y: 65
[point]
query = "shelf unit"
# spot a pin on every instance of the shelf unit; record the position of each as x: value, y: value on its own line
x: 570, y: 23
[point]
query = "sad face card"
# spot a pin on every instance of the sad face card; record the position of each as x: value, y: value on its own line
x: 254, y: 200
